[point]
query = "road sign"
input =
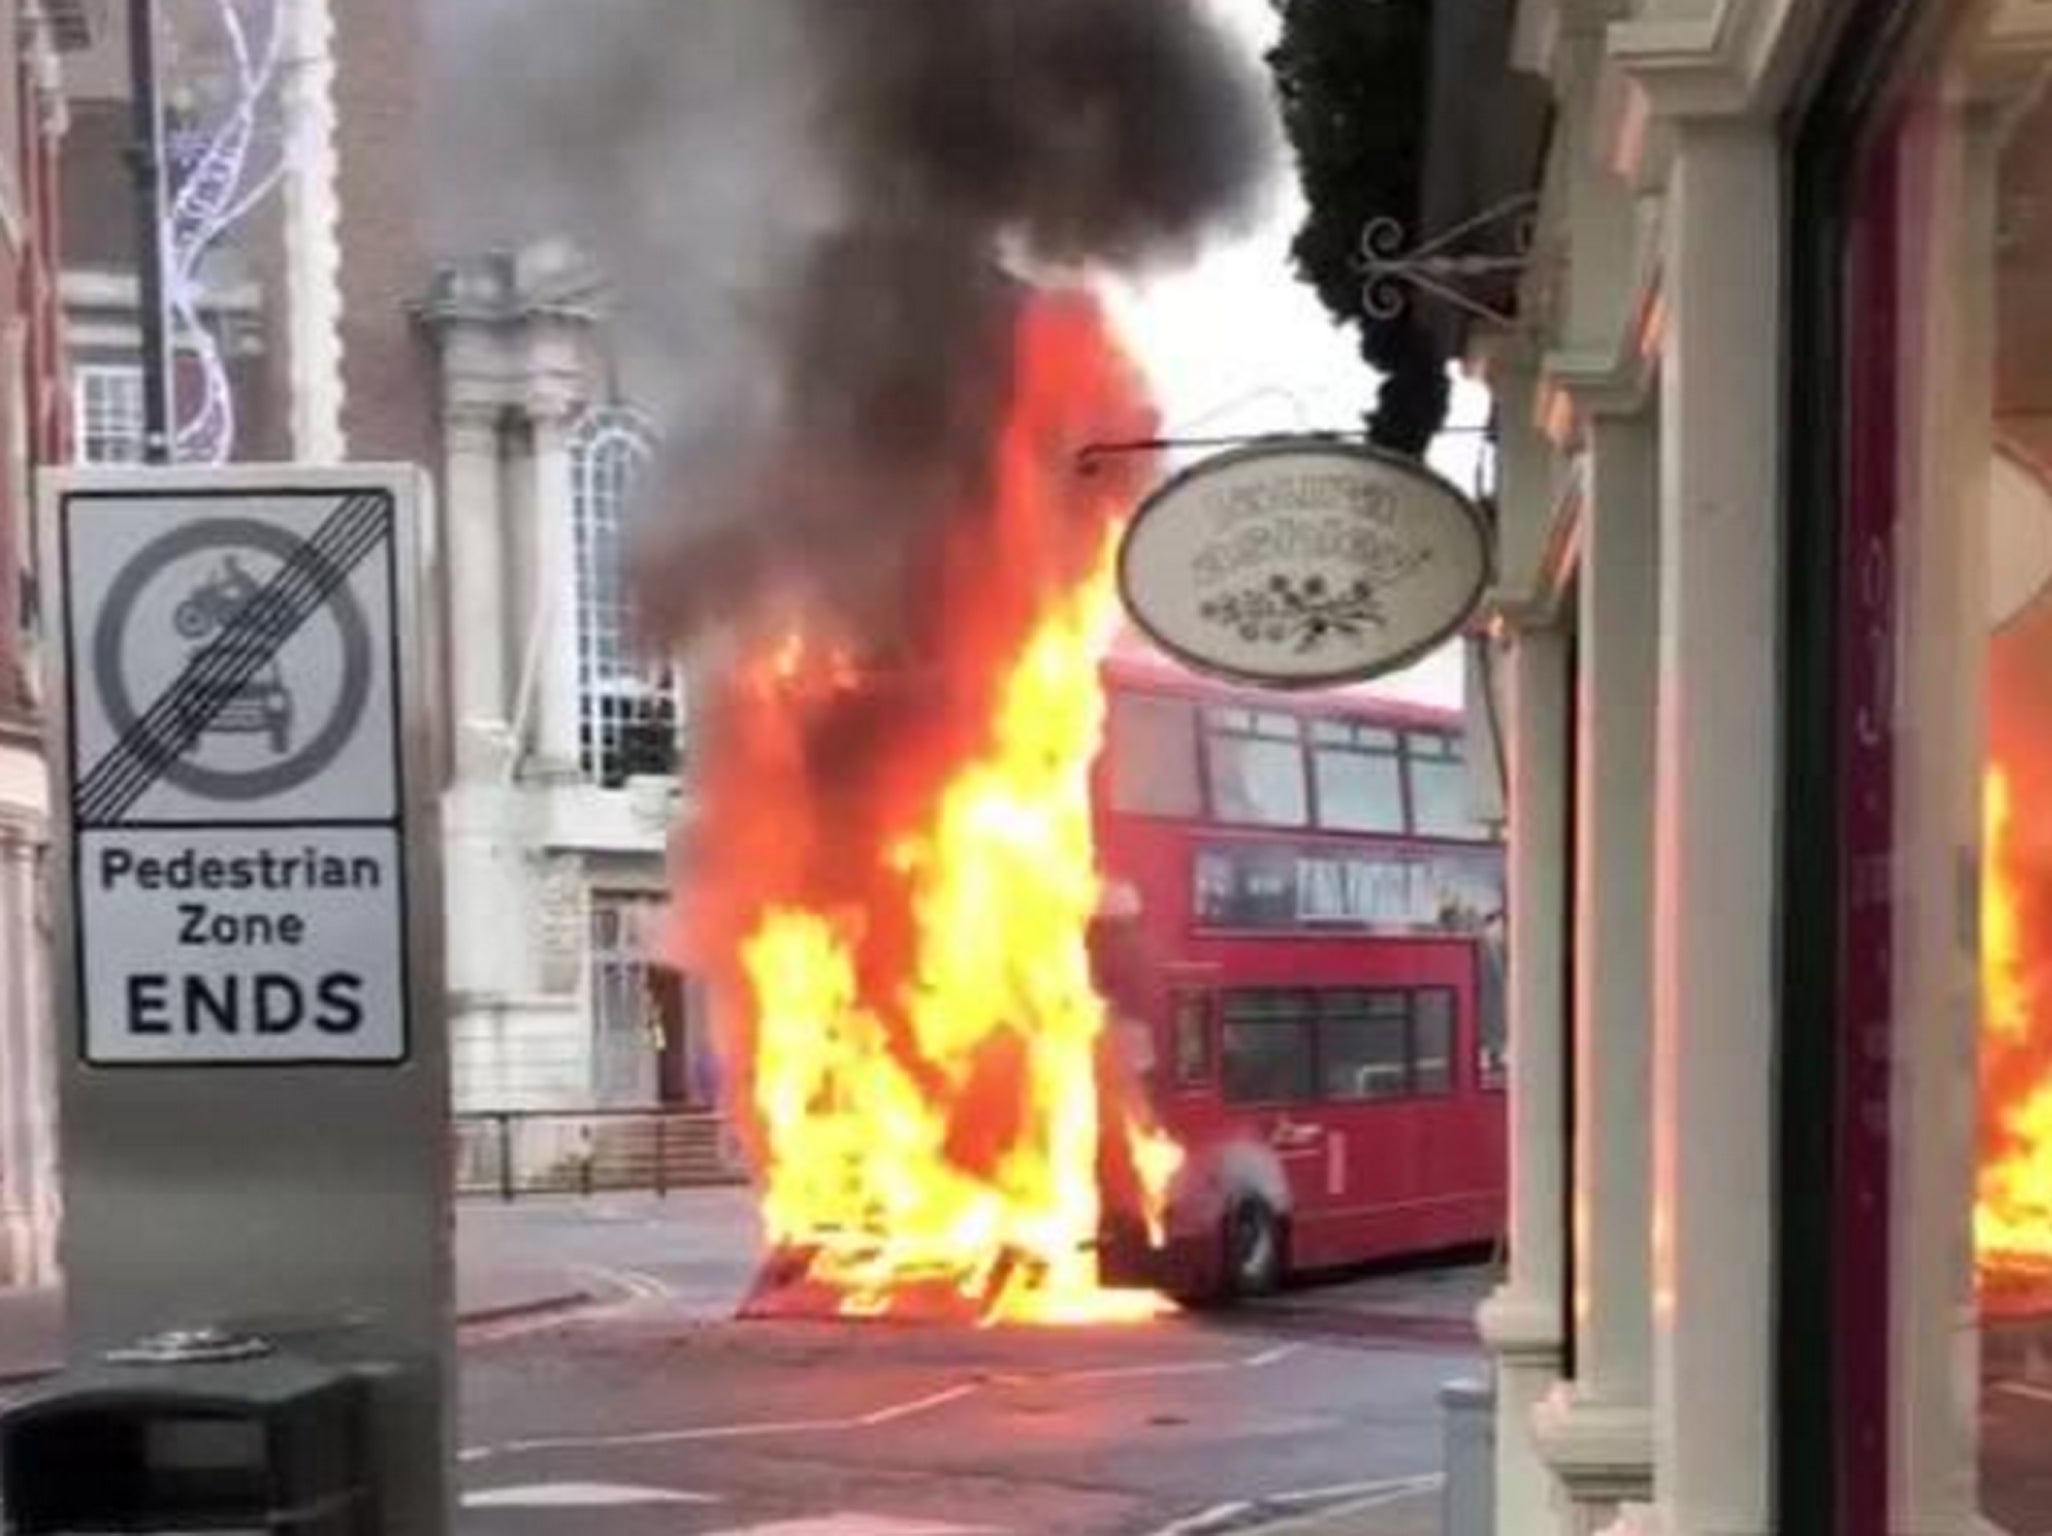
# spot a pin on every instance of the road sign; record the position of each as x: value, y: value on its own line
x: 239, y: 834
x: 255, y: 1096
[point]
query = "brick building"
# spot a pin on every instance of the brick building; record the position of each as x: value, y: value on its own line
x: 349, y: 335
x: 35, y: 40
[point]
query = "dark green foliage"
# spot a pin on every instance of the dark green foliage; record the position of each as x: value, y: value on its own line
x: 1353, y: 76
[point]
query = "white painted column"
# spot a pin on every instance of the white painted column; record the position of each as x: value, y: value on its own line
x: 478, y: 573
x: 1597, y: 1430
x: 553, y: 735
x: 1715, y: 899
x: 1521, y: 1323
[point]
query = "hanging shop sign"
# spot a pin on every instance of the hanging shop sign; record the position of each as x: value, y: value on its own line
x: 2019, y: 536
x: 1303, y: 563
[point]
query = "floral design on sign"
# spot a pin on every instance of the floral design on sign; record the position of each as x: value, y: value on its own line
x: 1306, y: 611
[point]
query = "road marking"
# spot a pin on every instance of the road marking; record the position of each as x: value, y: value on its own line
x: 633, y: 1288
x: 1269, y: 1357
x: 851, y: 1523
x: 875, y: 1419
x: 1239, y: 1514
x: 2025, y: 1389
x: 1259, y: 1362
x: 579, y: 1496
x: 763, y: 1429
x: 636, y: 1283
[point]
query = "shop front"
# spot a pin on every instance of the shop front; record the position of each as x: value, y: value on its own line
x: 1916, y: 1005
x: 1773, y: 634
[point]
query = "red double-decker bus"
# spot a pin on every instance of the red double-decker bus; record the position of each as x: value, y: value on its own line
x: 1302, y: 941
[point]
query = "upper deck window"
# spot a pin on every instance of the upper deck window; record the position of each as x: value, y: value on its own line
x: 1441, y: 801
x: 1256, y: 759
x: 1154, y: 756
x: 1359, y: 776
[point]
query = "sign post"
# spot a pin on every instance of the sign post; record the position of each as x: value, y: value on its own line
x: 255, y: 1090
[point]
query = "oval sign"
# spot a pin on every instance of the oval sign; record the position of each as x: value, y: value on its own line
x: 1302, y: 564
x: 2019, y: 536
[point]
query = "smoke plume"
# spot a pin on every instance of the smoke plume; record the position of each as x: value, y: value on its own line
x: 816, y: 218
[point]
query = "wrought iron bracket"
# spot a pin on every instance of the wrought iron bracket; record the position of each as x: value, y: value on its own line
x: 1445, y: 266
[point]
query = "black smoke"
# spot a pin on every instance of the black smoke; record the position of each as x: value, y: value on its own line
x: 817, y: 219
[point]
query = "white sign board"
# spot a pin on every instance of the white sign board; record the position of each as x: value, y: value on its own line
x: 233, y: 771
x: 1303, y: 563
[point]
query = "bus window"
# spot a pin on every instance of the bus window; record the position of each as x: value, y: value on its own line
x: 1191, y: 1047
x: 1432, y: 1041
x: 1440, y: 799
x: 1154, y: 756
x: 1267, y: 1047
x: 1359, y: 777
x: 1257, y: 767
x: 1363, y: 1045
x: 1492, y: 1032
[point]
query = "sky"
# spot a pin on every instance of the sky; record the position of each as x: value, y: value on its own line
x: 1233, y: 343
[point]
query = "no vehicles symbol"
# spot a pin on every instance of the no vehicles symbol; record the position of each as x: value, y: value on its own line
x: 232, y: 660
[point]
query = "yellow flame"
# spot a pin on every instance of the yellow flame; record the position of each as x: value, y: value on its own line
x: 2013, y: 1207
x: 864, y: 1175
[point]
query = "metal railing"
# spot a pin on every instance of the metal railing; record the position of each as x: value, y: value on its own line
x: 511, y: 1153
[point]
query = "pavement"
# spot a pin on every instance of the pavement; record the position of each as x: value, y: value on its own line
x: 32, y: 1322
x: 515, y: 1264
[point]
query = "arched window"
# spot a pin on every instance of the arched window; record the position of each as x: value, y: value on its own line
x: 627, y: 710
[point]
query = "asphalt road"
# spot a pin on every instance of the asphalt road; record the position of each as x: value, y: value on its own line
x: 651, y: 1413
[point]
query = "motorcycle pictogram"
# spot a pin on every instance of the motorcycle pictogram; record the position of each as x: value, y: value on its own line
x: 261, y: 706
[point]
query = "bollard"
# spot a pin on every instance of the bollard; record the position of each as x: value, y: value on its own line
x: 1469, y: 1408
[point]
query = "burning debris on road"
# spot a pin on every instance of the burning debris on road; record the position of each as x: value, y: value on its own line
x: 823, y: 221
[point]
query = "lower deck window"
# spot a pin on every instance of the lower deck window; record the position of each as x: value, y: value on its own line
x: 1267, y: 1046
x: 1289, y: 1045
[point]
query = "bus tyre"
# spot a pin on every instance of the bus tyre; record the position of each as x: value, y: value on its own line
x: 1253, y: 1250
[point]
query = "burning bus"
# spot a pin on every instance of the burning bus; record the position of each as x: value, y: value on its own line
x: 1302, y: 945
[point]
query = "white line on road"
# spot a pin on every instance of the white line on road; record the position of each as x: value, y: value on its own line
x: 1259, y: 1362
x: 849, y: 1523
x: 579, y: 1496
x: 1238, y: 1513
x: 630, y: 1288
x: 759, y: 1430
x: 638, y: 1285
x: 767, y: 1429
x: 1270, y: 1357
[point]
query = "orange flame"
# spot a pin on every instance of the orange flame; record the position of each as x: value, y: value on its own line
x: 901, y: 868
x: 2013, y: 1208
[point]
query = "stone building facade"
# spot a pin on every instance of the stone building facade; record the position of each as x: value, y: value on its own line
x: 35, y: 42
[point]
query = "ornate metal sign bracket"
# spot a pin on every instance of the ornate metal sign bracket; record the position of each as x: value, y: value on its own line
x: 1447, y: 266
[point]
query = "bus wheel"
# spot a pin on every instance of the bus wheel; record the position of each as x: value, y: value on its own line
x: 1254, y: 1249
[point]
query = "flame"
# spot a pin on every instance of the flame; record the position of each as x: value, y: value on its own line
x: 2013, y: 1206
x: 797, y: 662
x: 901, y: 866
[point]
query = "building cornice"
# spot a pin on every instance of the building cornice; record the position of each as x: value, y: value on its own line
x: 506, y: 292
x: 1730, y: 58
x: 1544, y: 35
x: 1616, y: 379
